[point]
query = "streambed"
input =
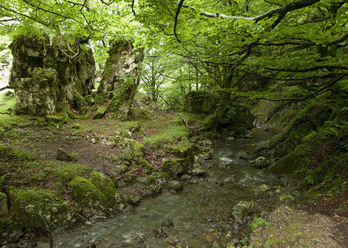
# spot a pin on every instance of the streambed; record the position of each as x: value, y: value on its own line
x: 198, y: 216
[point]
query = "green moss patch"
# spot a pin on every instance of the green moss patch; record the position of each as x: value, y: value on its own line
x: 167, y: 136
x: 107, y: 187
x: 39, y: 209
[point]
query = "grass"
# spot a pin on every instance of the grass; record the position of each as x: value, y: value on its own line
x: 167, y: 136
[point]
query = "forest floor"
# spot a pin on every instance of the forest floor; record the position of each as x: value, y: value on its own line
x: 92, y: 143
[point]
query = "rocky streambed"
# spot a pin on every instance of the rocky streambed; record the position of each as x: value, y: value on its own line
x: 208, y: 212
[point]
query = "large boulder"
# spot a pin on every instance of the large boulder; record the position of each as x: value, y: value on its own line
x: 237, y: 118
x: 121, y: 76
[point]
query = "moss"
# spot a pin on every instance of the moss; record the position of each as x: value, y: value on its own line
x: 130, y: 178
x: 8, y: 153
x: 109, y: 72
x: 182, y: 150
x: 3, y: 204
x: 88, y: 196
x: 107, y: 187
x: 287, y: 164
x: 139, y: 114
x: 177, y: 165
x: 79, y: 101
x: 65, y: 172
x: 38, y: 208
x: 100, y: 99
x: 167, y: 136
x: 100, y: 112
x: 138, y: 153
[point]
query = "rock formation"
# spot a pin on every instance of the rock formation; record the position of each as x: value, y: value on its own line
x: 121, y: 76
x: 43, y: 75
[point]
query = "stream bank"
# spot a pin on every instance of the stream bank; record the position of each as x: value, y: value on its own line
x: 209, y: 212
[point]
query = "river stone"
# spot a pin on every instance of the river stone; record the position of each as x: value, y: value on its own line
x: 177, y: 165
x: 261, y: 189
x: 260, y: 162
x: 130, y: 178
x: 197, y: 171
x: 150, y: 190
x: 175, y: 185
x: 133, y: 200
x: 241, y: 156
x: 243, y: 207
x: 186, y: 177
x: 167, y: 223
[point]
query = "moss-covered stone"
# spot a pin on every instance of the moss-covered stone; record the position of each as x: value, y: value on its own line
x: 91, y: 200
x: 287, y: 164
x: 107, y: 187
x: 40, y: 209
x: 138, y: 154
x: 177, y: 165
x: 100, y: 113
x: 130, y: 178
x: 100, y: 99
x: 182, y: 150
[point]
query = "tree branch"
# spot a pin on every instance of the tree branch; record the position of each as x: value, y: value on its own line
x: 176, y: 19
x: 5, y: 88
x: 26, y: 16
x: 133, y: 2
x: 318, y: 92
x: 309, y: 69
x: 282, y: 11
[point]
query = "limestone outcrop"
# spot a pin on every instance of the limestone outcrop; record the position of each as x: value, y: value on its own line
x: 121, y: 76
x: 43, y: 75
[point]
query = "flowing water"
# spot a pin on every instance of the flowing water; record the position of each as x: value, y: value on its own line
x: 198, y: 216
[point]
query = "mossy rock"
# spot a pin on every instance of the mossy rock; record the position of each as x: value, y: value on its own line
x: 138, y: 153
x: 139, y: 114
x: 100, y: 99
x: 107, y: 187
x: 92, y: 201
x: 150, y: 190
x: 40, y: 209
x: 79, y: 101
x: 100, y: 113
x: 177, y: 165
x: 287, y: 164
x: 182, y: 150
x: 90, y: 100
x: 130, y: 178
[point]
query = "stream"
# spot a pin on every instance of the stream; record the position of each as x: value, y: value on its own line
x: 198, y: 216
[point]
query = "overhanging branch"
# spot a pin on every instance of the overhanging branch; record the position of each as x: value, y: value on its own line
x: 176, y: 19
x: 282, y: 11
